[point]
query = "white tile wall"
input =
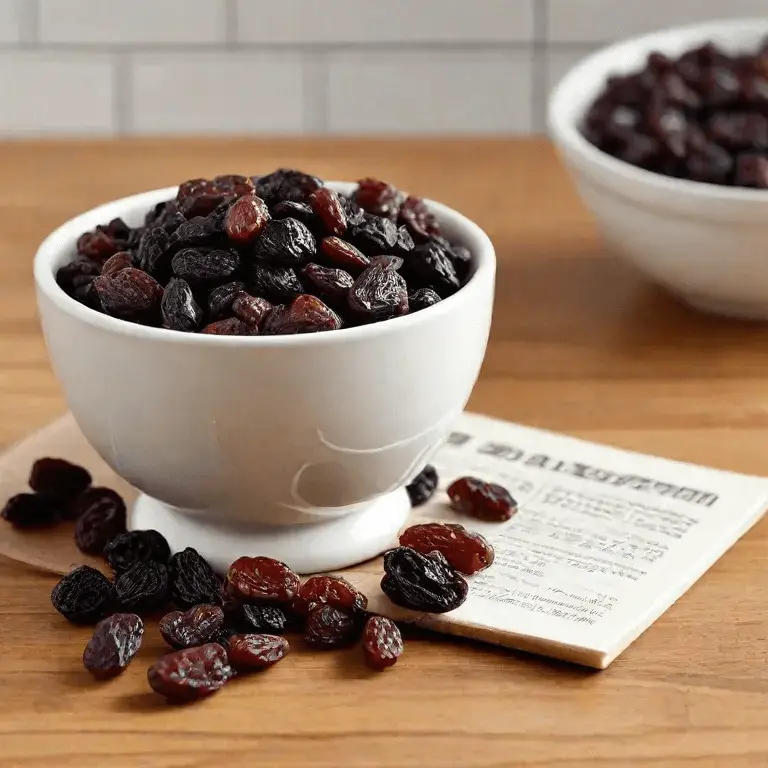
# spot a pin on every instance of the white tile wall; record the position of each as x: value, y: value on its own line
x: 313, y: 66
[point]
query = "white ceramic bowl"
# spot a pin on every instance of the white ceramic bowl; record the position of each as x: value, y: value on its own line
x: 297, y: 447
x: 707, y: 243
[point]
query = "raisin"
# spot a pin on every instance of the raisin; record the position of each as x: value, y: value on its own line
x: 190, y: 673
x: 327, y: 206
x: 380, y: 293
x: 285, y: 241
x: 262, y: 578
x: 128, y: 549
x: 235, y: 184
x: 328, y: 590
x: 299, y: 211
x: 246, y: 219
x: 220, y: 299
x: 205, y: 265
x: 196, y: 626
x: 129, y: 294
x: 343, y: 255
x: 466, y: 551
x: 97, y: 246
x: 374, y: 236
x: 274, y: 283
x: 83, y: 596
x: 378, y: 197
x: 421, y: 299
x: 30, y: 510
x: 256, y: 651
x: 86, y: 294
x: 252, y: 310
x: 354, y: 213
x: 115, y: 641
x: 196, y: 232
x: 404, y: 244
x: 223, y: 636
x: 192, y: 580
x: 418, y: 219
x: 116, y: 262
x: 232, y: 326
x: 422, y: 487
x: 382, y: 642
x: 160, y: 212
x: 713, y: 165
x: 269, y: 619
x: 76, y: 273
x: 199, y: 197
x: 286, y: 184
x: 422, y: 583
x: 143, y: 588
x: 306, y: 314
x: 58, y: 479
x: 460, y: 257
x: 484, y: 501
x: 179, y: 309
x: 752, y: 171
x: 331, y: 285
x: 100, y: 515
x: 153, y: 255
x: 428, y: 266
x: 329, y: 627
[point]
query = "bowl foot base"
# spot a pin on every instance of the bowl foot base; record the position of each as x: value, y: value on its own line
x: 739, y: 310
x: 325, y: 546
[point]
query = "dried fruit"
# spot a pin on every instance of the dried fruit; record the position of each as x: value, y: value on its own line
x: 252, y: 310
x: 421, y: 299
x: 262, y: 578
x: 196, y: 626
x: 199, y: 197
x: 83, y: 596
x: 299, y: 211
x: 269, y: 619
x: 378, y: 197
x: 220, y: 299
x: 326, y: 205
x: 328, y: 590
x: 286, y: 184
x: 466, y: 551
x: 422, y: 583
x: 205, y: 265
x: 129, y: 294
x: 379, y: 293
x: 256, y: 651
x: 428, y: 266
x: 373, y: 236
x: 97, y: 246
x: 199, y: 232
x: 246, y: 219
x: 114, y: 642
x: 285, y: 241
x: 344, y: 255
x: 274, y: 283
x: 331, y: 285
x: 306, y: 314
x: 100, y: 514
x: 191, y: 673
x: 422, y: 487
x: 192, y: 580
x: 143, y: 588
x: 382, y: 642
x: 418, y: 219
x: 329, y: 627
x: 116, y: 262
x: 232, y: 326
x: 485, y: 501
x: 153, y: 255
x: 180, y: 310
x: 30, y: 510
x: 77, y: 273
x: 128, y: 549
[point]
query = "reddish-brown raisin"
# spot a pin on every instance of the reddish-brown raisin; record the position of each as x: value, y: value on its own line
x: 194, y: 627
x: 97, y: 246
x: 382, y: 642
x: 262, y: 578
x: 485, y: 501
x: 378, y: 197
x: 326, y: 205
x: 328, y: 590
x: 343, y: 255
x: 129, y: 294
x: 232, y: 326
x: 306, y: 314
x: 252, y: 310
x: 246, y: 219
x: 114, y: 642
x: 329, y: 284
x: 418, y: 219
x: 116, y: 262
x: 256, y: 651
x: 191, y: 673
x: 329, y: 627
x: 465, y: 550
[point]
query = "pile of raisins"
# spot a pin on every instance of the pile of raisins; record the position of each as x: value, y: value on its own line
x: 276, y: 254
x: 702, y: 116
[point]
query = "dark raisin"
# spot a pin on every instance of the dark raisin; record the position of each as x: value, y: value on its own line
x: 286, y: 184
x: 196, y: 232
x: 83, y: 596
x: 285, y: 241
x: 327, y: 206
x: 460, y: 257
x: 143, y: 588
x: 114, y: 642
x: 153, y: 255
x: 262, y: 578
x: 269, y: 619
x: 329, y: 627
x: 232, y: 326
x: 354, y: 213
x: 192, y: 580
x: 378, y: 197
x: 129, y: 294
x: 74, y: 274
x: 421, y: 299
x: 484, y: 501
x: 422, y: 583
x: 256, y: 651
x: 428, y: 266
x: 419, y: 220
x: 422, y: 487
x: 100, y: 514
x: 115, y: 263
x: 220, y: 299
x: 223, y: 635
x: 58, y: 479
x: 128, y: 549
x: 404, y: 244
x: 205, y: 265
x: 331, y: 285
x: 328, y: 590
x: 466, y: 551
x: 191, y: 673
x: 343, y: 255
x: 196, y: 626
x: 179, y: 309
x: 380, y: 293
x: 374, y: 236
x: 712, y: 165
x: 752, y: 171
x: 246, y: 219
x: 306, y: 314
x: 382, y: 642
x: 30, y: 510
x: 252, y: 310
x: 274, y: 283
x: 299, y: 211
x: 97, y: 246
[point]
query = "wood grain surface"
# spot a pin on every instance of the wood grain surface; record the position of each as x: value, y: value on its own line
x: 580, y: 344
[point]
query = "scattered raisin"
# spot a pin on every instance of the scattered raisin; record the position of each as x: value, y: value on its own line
x: 344, y: 255
x: 421, y: 299
x: 466, y: 551
x: 246, y: 219
x: 180, y: 310
x: 382, y: 642
x: 192, y: 580
x: 130, y: 293
x: 262, y: 578
x: 83, y: 596
x: 128, y: 549
x: 30, y: 510
x: 143, y: 588
x: 331, y: 285
x: 100, y: 515
x: 232, y: 326
x: 328, y: 590
x: 256, y: 651
x: 115, y: 641
x: 379, y: 293
x: 252, y: 310
x: 306, y: 314
x: 484, y: 501
x: 268, y: 619
x: 190, y: 673
x: 378, y: 197
x: 329, y: 627
x: 326, y: 205
x: 196, y: 626
x: 422, y: 487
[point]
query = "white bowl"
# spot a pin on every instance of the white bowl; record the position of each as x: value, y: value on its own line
x: 707, y: 243
x: 297, y: 447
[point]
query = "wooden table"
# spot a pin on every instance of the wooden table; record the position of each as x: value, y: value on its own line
x: 580, y: 344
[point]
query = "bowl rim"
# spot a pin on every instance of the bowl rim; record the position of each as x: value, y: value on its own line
x: 50, y: 250
x: 598, y: 65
